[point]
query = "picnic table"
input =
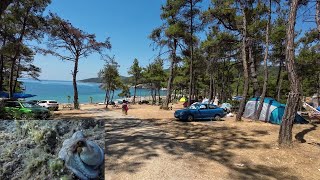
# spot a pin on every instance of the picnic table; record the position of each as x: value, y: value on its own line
x: 67, y: 106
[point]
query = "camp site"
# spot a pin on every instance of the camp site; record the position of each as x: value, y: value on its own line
x: 169, y: 89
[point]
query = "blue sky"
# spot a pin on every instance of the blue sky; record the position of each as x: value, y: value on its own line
x: 127, y: 22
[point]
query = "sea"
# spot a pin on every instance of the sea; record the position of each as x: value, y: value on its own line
x: 60, y: 90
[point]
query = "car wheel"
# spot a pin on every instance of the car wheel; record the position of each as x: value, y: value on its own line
x: 45, y: 117
x: 217, y: 117
x: 190, y: 118
x: 24, y: 116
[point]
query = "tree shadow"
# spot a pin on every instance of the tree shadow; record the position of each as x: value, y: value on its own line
x: 300, y: 136
x: 131, y: 143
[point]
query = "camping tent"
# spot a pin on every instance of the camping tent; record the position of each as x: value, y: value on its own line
x: 272, y: 111
x: 183, y: 99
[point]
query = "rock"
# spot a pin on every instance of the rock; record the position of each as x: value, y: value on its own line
x: 9, y: 167
x: 86, y: 124
x: 83, y: 157
x: 50, y: 138
x: 62, y: 128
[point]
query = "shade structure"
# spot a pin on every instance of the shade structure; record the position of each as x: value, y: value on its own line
x: 16, y: 95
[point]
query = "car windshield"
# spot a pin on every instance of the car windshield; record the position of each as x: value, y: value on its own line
x: 28, y: 105
x: 52, y: 101
x: 194, y: 106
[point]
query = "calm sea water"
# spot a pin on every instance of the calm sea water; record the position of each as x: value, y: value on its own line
x: 60, y: 90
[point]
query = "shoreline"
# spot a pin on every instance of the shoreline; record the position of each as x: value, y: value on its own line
x: 138, y: 98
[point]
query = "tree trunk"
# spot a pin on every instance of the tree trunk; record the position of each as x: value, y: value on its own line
x: 13, y: 62
x: 171, y: 76
x: 105, y: 97
x: 74, y: 80
x: 279, y: 81
x: 112, y: 95
x: 152, y: 95
x: 238, y: 83
x: 159, y: 97
x: 245, y: 66
x: 318, y: 91
x: 106, y: 100
x: 17, y: 52
x: 155, y: 95
x: 265, y: 61
x: 1, y: 72
x: 253, y: 72
x: 193, y: 92
x: 2, y: 65
x: 279, y: 89
x: 318, y: 27
x: 134, y: 93
x: 211, y: 88
x: 285, y: 133
x: 318, y: 16
x: 169, y: 87
x: 17, y: 76
x: 191, y: 55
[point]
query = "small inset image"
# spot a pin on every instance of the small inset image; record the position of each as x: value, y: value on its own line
x: 52, y: 149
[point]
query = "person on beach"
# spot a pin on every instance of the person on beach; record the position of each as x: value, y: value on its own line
x: 124, y: 107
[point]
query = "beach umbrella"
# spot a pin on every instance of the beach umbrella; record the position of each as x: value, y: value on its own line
x: 183, y: 99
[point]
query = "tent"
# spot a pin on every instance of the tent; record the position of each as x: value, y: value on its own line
x: 183, y: 99
x: 272, y: 111
x: 16, y: 95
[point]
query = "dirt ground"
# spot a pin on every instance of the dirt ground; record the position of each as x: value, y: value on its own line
x: 150, y: 144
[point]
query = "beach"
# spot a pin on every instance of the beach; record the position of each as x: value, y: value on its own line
x: 62, y: 91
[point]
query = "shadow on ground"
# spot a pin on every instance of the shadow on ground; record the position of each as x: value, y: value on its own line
x: 141, y: 140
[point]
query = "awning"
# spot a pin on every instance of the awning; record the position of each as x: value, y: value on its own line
x: 16, y: 95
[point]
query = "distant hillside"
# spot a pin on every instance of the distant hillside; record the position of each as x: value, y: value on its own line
x: 98, y: 80
x: 91, y: 80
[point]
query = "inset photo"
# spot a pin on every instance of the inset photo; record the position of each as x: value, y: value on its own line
x: 52, y: 149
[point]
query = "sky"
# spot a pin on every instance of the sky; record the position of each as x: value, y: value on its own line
x: 128, y: 23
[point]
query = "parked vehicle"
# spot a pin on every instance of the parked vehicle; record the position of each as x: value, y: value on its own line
x: 25, y: 110
x: 200, y: 111
x: 49, y: 104
x: 33, y: 102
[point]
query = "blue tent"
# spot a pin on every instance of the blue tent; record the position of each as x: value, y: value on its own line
x: 16, y: 95
x: 272, y: 111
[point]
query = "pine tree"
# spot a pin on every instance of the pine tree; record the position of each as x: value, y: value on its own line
x: 135, y: 70
x: 63, y: 35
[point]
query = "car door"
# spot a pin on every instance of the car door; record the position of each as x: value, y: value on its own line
x: 203, y: 112
x: 12, y: 107
x: 213, y: 110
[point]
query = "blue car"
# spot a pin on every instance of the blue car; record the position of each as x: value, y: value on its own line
x: 200, y: 111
